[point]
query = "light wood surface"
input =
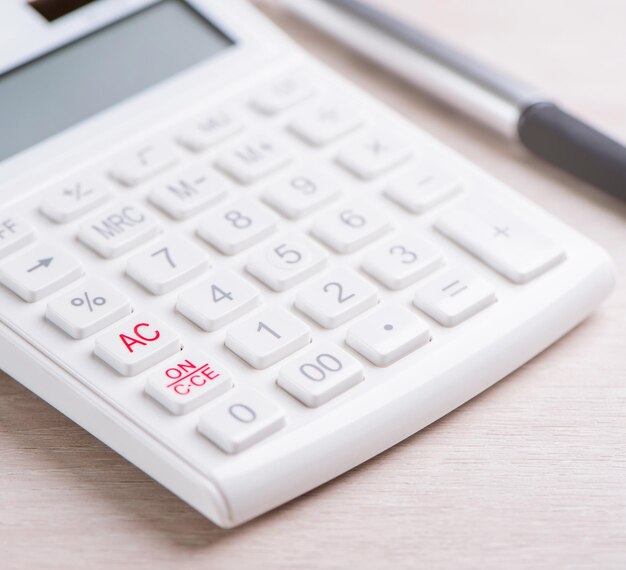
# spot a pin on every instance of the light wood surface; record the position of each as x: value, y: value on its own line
x: 531, y: 474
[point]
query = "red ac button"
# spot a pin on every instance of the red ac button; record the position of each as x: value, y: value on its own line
x: 137, y: 343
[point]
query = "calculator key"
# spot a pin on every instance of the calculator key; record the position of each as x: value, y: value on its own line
x: 373, y: 153
x: 400, y: 262
x: 320, y: 374
x: 302, y: 192
x: 287, y: 261
x: 188, y: 381
x: 142, y: 162
x: 324, y: 122
x: 387, y: 335
x: 189, y: 192
x: 40, y: 271
x: 88, y: 309
x: 351, y: 226
x: 75, y: 197
x: 237, y: 226
x: 136, y: 343
x: 209, y: 129
x: 253, y: 158
x: 118, y: 229
x: 167, y: 265
x: 501, y: 239
x: 454, y: 295
x: 336, y: 298
x: 220, y: 299
x: 241, y: 420
x: 423, y: 187
x: 267, y: 337
x: 281, y: 94
x: 15, y: 233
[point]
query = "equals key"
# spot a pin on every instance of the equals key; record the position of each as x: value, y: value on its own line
x: 453, y: 296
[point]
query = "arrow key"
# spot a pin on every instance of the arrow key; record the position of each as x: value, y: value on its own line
x: 39, y: 271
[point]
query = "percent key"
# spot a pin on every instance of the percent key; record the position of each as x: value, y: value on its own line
x: 88, y: 309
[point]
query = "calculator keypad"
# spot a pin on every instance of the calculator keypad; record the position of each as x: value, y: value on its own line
x: 267, y: 195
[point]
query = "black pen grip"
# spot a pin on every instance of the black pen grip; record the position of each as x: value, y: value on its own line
x: 561, y: 139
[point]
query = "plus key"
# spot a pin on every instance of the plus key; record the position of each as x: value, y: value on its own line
x: 137, y: 343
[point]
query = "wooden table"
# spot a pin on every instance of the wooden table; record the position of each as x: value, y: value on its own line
x: 530, y: 474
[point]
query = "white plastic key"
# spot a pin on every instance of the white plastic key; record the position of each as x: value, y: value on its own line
x: 187, y: 381
x: 218, y: 300
x: 499, y: 237
x: 336, y: 298
x: 241, y: 420
x: 287, y: 261
x: 254, y: 158
x: 301, y: 192
x: 423, y: 187
x: 74, y: 197
x: 280, y: 94
x: 350, y: 226
x: 119, y: 229
x: 454, y: 295
x: 209, y: 128
x: 143, y: 161
x: 237, y: 225
x: 401, y: 261
x: 388, y: 334
x: 326, y: 121
x: 320, y: 374
x: 15, y: 233
x: 167, y: 264
x: 189, y: 192
x: 136, y: 343
x: 39, y: 271
x: 267, y: 337
x: 88, y: 309
x: 373, y: 153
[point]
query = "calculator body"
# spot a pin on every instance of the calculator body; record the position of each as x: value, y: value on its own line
x: 314, y: 443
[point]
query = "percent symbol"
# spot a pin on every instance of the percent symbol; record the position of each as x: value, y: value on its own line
x: 80, y: 301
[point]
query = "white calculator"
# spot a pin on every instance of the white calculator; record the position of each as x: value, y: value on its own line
x: 239, y: 271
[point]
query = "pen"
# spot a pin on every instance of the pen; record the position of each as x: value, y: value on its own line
x: 513, y: 109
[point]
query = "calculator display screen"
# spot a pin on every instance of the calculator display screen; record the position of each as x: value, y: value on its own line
x: 70, y: 84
